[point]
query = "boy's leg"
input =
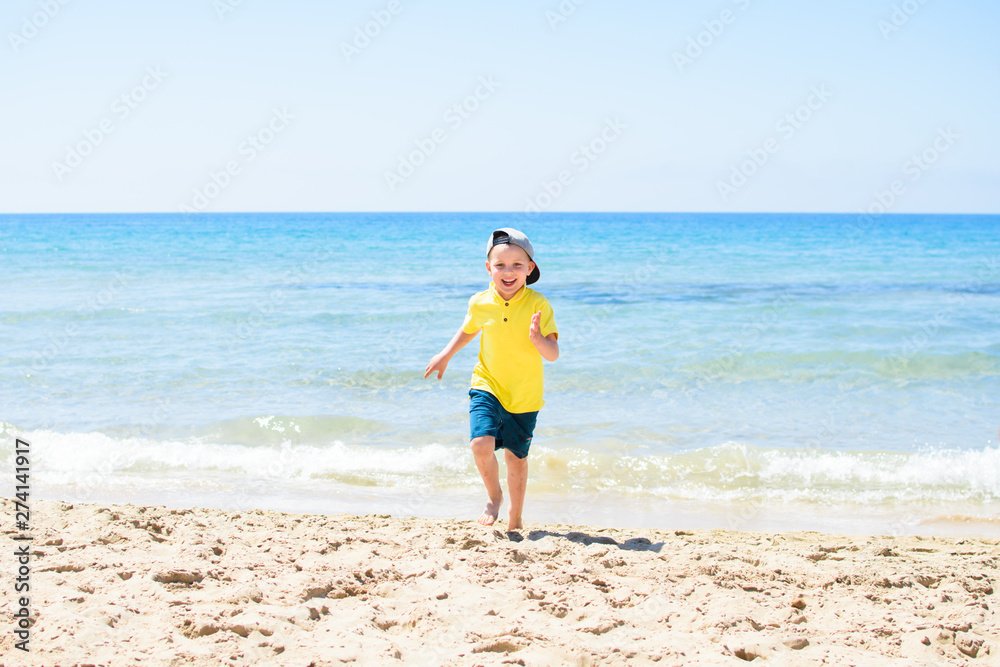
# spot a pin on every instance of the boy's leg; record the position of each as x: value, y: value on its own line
x: 517, y: 482
x: 489, y: 470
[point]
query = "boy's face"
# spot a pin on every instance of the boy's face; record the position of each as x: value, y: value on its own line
x: 509, y: 267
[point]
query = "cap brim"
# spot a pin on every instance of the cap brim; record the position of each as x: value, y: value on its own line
x: 533, y: 276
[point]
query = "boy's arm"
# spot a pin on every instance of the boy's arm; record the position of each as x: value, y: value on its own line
x: 439, y: 362
x: 547, y: 346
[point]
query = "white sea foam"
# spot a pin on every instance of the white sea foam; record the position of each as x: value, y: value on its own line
x: 729, y: 471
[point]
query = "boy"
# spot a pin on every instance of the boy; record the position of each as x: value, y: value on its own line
x: 519, y: 330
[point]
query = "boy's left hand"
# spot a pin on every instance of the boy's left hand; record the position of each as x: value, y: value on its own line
x: 535, y: 329
x: 546, y: 345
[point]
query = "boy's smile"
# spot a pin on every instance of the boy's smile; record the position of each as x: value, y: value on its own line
x: 509, y: 267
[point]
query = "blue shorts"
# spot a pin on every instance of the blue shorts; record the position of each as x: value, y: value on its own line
x: 512, y: 430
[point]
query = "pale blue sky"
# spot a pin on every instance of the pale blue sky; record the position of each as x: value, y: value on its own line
x: 679, y: 133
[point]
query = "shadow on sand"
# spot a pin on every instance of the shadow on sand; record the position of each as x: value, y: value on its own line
x: 634, y: 544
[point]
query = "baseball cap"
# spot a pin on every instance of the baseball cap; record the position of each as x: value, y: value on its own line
x: 514, y: 237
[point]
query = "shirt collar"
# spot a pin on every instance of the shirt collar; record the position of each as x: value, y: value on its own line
x: 517, y: 297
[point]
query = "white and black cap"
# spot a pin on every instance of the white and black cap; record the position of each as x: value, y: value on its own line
x: 514, y: 237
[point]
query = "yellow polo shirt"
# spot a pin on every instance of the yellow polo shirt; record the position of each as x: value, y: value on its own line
x: 509, y: 367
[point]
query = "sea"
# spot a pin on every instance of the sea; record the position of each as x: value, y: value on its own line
x: 757, y: 372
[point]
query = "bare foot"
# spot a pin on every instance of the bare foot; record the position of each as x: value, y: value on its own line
x: 514, y: 522
x: 491, y: 512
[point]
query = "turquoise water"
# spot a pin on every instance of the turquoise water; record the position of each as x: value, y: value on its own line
x: 745, y: 371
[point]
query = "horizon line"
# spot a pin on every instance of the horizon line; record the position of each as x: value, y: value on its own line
x: 522, y: 213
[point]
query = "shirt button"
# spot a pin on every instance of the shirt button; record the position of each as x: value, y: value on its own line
x: 506, y: 304
x: 505, y: 319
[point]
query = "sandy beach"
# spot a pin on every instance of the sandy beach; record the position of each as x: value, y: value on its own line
x: 124, y: 585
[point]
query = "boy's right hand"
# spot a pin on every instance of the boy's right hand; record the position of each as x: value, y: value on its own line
x: 438, y: 363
